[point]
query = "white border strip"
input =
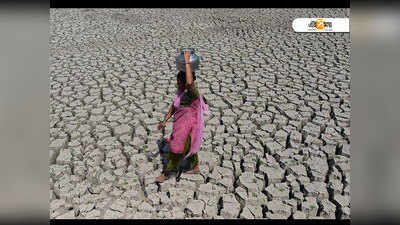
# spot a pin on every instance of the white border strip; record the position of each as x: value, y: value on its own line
x: 331, y: 25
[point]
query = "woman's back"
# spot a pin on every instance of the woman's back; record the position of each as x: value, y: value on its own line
x: 188, y: 97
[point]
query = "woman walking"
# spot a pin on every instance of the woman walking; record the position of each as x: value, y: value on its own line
x: 188, y: 123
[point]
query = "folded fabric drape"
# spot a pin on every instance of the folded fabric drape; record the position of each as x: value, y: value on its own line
x: 187, y: 119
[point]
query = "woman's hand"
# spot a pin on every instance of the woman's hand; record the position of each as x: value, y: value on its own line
x: 187, y: 56
x: 161, y: 125
x: 170, y: 112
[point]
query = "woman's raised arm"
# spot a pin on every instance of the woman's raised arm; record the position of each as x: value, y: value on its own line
x: 189, y: 75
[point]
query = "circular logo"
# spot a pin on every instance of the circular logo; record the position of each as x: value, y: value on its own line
x: 320, y: 24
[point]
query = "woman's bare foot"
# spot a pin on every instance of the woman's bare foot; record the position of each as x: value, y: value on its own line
x: 195, y: 170
x: 162, y: 178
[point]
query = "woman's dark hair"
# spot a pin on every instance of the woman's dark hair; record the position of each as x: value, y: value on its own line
x: 182, y: 76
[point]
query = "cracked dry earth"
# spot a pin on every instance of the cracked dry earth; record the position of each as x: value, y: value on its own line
x: 276, y: 145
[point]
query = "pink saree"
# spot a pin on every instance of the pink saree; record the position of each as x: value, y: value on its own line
x: 186, y: 120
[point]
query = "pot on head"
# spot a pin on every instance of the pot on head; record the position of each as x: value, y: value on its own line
x: 180, y: 60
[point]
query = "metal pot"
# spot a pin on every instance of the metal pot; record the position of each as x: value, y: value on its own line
x: 180, y: 60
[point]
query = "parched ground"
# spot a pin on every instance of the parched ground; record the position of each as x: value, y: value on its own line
x: 276, y: 145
